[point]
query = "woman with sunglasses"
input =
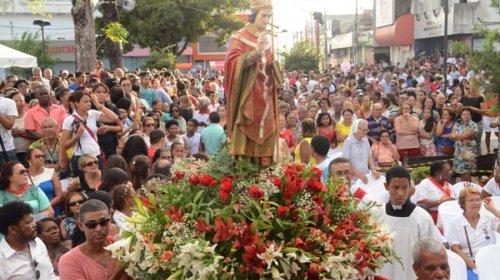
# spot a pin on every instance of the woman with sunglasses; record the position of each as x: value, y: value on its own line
x: 148, y: 125
x: 45, y: 178
x: 91, y: 178
x: 71, y: 207
x: 79, y: 130
x: 15, y: 185
x: 176, y: 115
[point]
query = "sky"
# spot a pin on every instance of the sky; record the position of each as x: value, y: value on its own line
x: 292, y: 15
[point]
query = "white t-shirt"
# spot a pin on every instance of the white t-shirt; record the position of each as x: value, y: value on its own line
x: 483, y: 235
x: 492, y: 187
x: 88, y: 144
x: 8, y: 108
x: 17, y: 265
x: 193, y: 142
x: 426, y: 190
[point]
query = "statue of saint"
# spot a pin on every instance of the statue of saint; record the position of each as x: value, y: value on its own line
x: 251, y: 77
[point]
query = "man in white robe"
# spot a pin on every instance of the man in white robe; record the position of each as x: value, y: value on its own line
x: 407, y: 221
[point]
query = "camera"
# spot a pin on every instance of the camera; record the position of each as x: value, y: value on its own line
x: 76, y: 124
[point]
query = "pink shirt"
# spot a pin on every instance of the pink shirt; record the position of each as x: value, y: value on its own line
x: 75, y: 265
x: 382, y: 153
x: 35, y: 116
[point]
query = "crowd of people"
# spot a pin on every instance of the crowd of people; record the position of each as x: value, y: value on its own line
x: 77, y: 147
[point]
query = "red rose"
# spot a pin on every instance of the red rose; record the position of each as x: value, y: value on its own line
x: 208, y: 181
x: 318, y: 172
x: 277, y: 182
x: 256, y: 192
x: 194, y: 179
x: 283, y: 211
x: 226, y: 185
x: 178, y: 175
x: 223, y: 195
x: 315, y: 186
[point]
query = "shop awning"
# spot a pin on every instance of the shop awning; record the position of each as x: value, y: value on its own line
x: 398, y: 34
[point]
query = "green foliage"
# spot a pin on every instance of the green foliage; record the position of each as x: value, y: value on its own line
x: 302, y: 56
x: 161, y: 58
x: 459, y: 48
x: 116, y: 32
x: 420, y: 173
x: 488, y: 59
x: 158, y: 24
x: 31, y: 43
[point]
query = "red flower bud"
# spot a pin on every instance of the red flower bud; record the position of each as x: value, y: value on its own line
x: 283, y: 211
x: 194, y: 179
x: 256, y: 192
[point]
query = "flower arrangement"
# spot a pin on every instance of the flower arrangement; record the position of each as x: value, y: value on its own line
x: 228, y: 220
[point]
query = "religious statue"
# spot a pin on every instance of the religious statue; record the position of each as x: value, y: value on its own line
x: 251, y: 78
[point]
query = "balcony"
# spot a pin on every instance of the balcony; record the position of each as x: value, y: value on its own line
x: 464, y: 17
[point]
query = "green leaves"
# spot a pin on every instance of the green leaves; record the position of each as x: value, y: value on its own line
x: 303, y: 56
x: 158, y: 24
x: 116, y: 32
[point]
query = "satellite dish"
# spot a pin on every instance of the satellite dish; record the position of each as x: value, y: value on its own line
x: 128, y: 5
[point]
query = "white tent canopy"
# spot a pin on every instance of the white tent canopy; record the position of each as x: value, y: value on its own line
x: 13, y: 58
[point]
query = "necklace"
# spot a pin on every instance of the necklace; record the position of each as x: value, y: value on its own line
x: 51, y: 153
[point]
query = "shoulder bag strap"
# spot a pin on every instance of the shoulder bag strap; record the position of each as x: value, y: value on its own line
x: 4, y: 152
x: 91, y: 135
x: 468, y: 242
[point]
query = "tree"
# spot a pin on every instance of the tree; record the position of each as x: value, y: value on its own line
x: 31, y: 43
x: 302, y: 57
x: 158, y: 24
x: 160, y: 58
x: 111, y: 34
x: 83, y: 19
x: 488, y: 60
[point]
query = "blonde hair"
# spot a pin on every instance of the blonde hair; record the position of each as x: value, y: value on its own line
x: 81, y: 160
x: 464, y: 193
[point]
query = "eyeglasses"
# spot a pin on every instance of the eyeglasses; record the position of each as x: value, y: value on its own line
x: 22, y: 171
x: 150, y: 125
x: 176, y: 111
x: 39, y: 156
x: 91, y: 163
x: 37, y: 272
x: 93, y: 224
x: 75, y: 203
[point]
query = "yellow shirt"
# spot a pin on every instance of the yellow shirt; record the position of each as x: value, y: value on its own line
x: 344, y: 131
x: 296, y: 152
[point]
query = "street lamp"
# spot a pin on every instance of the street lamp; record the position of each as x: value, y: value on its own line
x: 278, y: 44
x: 42, y: 23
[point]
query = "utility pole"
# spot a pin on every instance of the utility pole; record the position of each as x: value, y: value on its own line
x: 445, y: 43
x: 355, y: 36
x: 42, y: 23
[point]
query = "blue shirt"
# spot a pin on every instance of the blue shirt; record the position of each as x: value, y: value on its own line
x: 374, y: 125
x: 358, y: 153
x: 149, y: 95
x: 212, y: 138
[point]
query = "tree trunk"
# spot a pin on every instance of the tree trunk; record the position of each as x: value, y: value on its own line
x: 83, y: 19
x: 112, y: 50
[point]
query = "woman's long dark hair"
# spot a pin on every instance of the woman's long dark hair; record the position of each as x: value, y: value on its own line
x: 139, y: 170
x: 429, y: 123
x: 134, y: 146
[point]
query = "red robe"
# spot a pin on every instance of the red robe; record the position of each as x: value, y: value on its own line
x: 250, y: 95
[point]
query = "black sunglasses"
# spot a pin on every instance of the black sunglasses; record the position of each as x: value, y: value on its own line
x: 90, y: 163
x: 75, y: 203
x: 93, y: 224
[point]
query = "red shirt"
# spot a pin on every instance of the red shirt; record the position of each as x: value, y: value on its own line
x: 288, y: 137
